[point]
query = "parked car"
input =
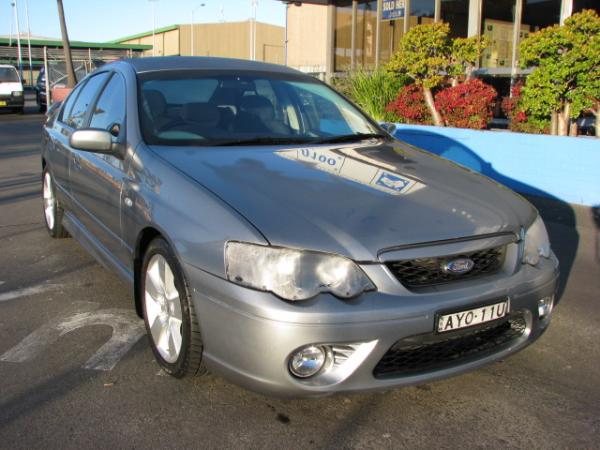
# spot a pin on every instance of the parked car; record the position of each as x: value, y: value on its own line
x: 273, y: 233
x: 587, y: 124
x: 11, y: 89
x: 58, y: 80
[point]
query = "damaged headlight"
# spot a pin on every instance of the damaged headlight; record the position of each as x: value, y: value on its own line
x: 293, y: 274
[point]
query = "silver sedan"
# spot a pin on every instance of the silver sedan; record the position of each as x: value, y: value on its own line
x: 273, y: 233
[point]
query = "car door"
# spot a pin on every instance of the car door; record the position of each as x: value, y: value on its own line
x: 97, y: 179
x: 59, y: 153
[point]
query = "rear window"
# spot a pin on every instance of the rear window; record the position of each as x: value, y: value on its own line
x: 9, y: 75
x: 178, y: 92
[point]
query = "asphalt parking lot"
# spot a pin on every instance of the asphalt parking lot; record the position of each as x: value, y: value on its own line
x: 64, y: 383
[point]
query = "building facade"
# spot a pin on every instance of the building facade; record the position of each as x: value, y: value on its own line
x: 245, y: 40
x: 332, y: 36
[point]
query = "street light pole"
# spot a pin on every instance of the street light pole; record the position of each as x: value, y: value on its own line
x: 16, y: 8
x: 192, y: 27
x: 29, y: 43
x: 287, y: 7
x: 153, y: 27
x: 253, y: 31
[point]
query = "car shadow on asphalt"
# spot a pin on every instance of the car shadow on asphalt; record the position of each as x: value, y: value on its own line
x: 52, y: 389
x: 559, y: 215
x: 596, y: 219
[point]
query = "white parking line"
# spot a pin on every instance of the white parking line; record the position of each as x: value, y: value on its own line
x: 127, y: 329
x: 11, y: 295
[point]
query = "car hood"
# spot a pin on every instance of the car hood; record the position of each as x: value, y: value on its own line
x: 354, y: 200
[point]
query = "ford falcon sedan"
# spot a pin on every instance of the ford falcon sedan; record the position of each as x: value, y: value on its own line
x: 274, y: 234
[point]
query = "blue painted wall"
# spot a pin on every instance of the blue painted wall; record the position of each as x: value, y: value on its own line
x: 564, y: 168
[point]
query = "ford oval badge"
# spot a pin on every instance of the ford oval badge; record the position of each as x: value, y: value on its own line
x: 458, y: 266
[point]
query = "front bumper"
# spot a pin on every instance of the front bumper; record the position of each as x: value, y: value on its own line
x: 10, y: 101
x: 249, y: 335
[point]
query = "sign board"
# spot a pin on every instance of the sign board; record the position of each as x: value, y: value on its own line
x: 392, y: 9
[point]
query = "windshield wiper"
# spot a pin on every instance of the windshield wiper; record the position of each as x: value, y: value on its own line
x: 261, y: 140
x: 348, y: 138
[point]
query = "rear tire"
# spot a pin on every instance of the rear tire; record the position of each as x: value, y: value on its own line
x: 169, y: 314
x: 53, y: 212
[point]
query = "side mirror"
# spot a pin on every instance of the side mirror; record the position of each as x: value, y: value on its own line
x: 92, y: 140
x: 389, y: 127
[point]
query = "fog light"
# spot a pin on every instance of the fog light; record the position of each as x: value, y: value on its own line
x: 308, y: 361
x: 545, y: 306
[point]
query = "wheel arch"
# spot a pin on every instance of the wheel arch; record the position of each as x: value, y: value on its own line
x: 145, y: 236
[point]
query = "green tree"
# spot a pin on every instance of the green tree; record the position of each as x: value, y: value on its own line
x: 566, y: 79
x: 424, y: 55
x: 466, y: 53
x: 429, y: 56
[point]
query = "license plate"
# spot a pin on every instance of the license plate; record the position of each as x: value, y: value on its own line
x: 2, y: 103
x: 471, y: 317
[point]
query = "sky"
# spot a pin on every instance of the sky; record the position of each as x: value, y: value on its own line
x: 105, y: 20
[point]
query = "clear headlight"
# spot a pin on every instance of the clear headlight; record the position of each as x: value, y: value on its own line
x: 537, y: 244
x: 293, y: 274
x: 17, y: 93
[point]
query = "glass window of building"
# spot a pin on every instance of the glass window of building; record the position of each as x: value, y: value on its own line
x: 366, y: 26
x: 538, y: 14
x: 343, y: 35
x: 391, y: 34
x: 497, y: 23
x: 421, y: 12
x: 580, y: 5
x: 456, y: 13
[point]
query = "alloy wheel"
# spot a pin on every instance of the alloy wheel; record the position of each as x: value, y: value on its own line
x: 49, y: 201
x: 163, y: 308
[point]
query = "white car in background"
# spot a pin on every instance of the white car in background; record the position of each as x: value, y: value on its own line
x: 11, y: 89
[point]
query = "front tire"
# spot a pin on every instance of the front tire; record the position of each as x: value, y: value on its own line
x: 53, y: 212
x: 169, y: 315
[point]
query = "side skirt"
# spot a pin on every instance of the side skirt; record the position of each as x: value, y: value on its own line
x: 96, y: 249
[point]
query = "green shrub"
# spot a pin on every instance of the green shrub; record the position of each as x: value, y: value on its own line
x: 566, y: 76
x: 373, y: 91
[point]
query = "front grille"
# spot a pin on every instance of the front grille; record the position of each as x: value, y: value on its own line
x: 415, y: 273
x: 407, y: 358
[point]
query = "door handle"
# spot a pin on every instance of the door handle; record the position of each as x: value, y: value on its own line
x: 77, y: 162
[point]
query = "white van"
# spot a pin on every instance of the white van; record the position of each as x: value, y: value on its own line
x: 11, y: 89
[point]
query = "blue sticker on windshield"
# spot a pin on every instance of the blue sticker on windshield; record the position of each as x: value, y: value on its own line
x: 392, y: 181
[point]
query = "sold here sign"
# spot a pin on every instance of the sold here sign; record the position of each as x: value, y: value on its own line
x: 392, y: 9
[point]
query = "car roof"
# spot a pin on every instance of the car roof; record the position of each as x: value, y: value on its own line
x: 160, y: 63
x: 4, y: 66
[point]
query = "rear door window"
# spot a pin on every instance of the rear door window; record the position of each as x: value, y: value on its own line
x: 66, y: 110
x: 109, y: 112
x: 77, y: 116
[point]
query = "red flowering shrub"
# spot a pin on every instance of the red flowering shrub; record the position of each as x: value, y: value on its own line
x: 410, y: 106
x: 467, y: 105
x: 518, y: 120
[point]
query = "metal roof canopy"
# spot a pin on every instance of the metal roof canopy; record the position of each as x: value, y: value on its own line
x: 79, y: 50
x: 314, y: 2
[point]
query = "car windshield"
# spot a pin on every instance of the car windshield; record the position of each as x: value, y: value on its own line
x: 9, y: 75
x: 202, y: 109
